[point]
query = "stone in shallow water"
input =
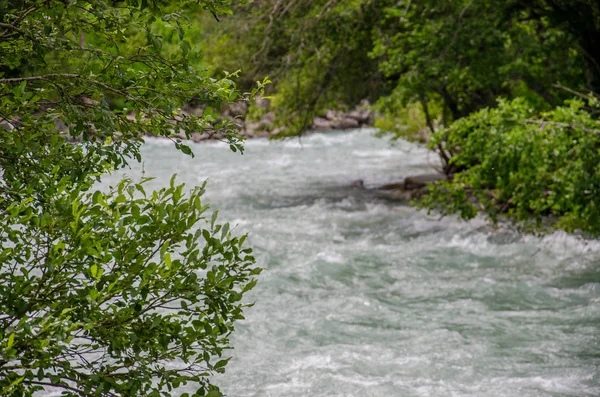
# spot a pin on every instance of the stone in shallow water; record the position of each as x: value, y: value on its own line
x: 412, y: 187
x: 417, y: 181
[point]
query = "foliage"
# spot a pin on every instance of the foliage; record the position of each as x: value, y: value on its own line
x: 538, y: 169
x: 413, y: 121
x: 459, y: 55
x: 315, y: 52
x: 113, y: 294
x: 108, y: 293
x: 578, y: 18
x: 467, y: 53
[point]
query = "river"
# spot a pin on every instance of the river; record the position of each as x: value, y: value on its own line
x: 365, y: 297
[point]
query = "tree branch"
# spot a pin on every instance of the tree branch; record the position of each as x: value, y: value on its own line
x: 52, y: 76
x: 11, y: 27
x: 42, y: 77
x: 34, y: 382
x: 572, y: 91
x: 543, y: 123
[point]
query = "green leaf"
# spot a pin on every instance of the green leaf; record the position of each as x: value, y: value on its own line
x: 94, y: 271
x: 213, y: 219
x: 186, y: 150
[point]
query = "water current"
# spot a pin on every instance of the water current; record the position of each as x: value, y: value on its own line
x: 365, y: 297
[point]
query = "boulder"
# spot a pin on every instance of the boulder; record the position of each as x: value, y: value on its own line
x: 344, y: 124
x: 277, y: 131
x: 320, y: 123
x: 180, y: 135
x: 362, y: 116
x: 198, y: 137
x: 331, y: 115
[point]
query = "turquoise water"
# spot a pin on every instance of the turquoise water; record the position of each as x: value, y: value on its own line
x: 364, y: 297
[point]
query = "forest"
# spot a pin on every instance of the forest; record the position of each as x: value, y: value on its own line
x: 135, y: 289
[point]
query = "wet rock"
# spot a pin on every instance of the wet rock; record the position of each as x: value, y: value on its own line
x: 412, y: 187
x: 359, y: 183
x: 402, y: 195
x: 419, y: 181
x: 397, y: 192
x: 391, y: 186
x: 413, y: 182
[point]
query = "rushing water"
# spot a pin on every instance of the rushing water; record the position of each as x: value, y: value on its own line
x: 364, y: 297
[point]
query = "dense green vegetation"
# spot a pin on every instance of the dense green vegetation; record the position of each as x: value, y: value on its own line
x: 122, y: 292
x: 436, y: 71
x: 100, y: 290
x: 538, y: 169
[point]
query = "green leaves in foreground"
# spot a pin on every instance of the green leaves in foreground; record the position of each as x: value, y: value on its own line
x: 118, y: 293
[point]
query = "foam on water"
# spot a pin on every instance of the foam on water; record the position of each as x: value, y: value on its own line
x: 363, y: 297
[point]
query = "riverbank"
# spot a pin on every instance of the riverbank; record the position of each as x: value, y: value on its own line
x: 261, y: 122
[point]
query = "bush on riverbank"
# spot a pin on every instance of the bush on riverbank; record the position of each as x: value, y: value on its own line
x: 533, y: 168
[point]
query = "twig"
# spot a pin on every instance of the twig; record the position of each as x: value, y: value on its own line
x: 52, y: 76
x: 572, y: 91
x: 42, y: 77
x: 543, y: 123
x: 12, y: 27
